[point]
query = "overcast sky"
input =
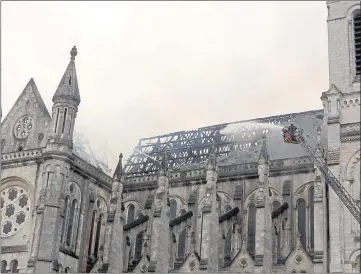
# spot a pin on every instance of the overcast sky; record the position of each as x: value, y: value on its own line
x: 150, y: 68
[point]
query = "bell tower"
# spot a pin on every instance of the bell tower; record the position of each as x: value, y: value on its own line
x: 341, y: 125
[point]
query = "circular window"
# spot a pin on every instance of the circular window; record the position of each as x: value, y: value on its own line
x: 23, y: 127
x: 15, y: 204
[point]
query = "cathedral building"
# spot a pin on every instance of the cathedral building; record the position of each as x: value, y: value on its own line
x: 225, y: 198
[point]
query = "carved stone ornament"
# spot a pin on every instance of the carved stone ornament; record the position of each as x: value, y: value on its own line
x: 298, y: 259
x: 143, y: 268
x: 243, y: 262
x: 259, y: 195
x: 192, y: 265
x: 208, y: 200
x: 23, y: 127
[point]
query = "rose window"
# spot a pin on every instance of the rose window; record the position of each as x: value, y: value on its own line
x: 23, y: 127
x: 15, y: 208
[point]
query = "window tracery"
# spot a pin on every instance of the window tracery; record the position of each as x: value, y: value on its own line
x: 15, y: 207
x: 97, y: 231
x: 72, y: 206
x: 23, y: 127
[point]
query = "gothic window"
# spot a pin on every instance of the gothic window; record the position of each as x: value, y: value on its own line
x: 173, y: 209
x: 182, y: 244
x: 71, y: 223
x: 311, y: 217
x: 97, y: 236
x: 64, y: 120
x: 56, y: 120
x: 15, y: 204
x: 66, y: 206
x: 97, y: 230
x: 14, y: 266
x: 357, y: 37
x: 4, y: 264
x: 131, y: 213
x: 301, y: 220
x: 72, y: 215
x: 91, y: 233
x: 251, y: 239
x: 228, y: 246
x: 276, y: 236
x: 138, y: 246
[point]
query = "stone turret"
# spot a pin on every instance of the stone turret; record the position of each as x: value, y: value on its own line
x: 50, y: 218
x: 159, y: 248
x: 65, y: 106
x: 263, y: 258
x: 210, y: 229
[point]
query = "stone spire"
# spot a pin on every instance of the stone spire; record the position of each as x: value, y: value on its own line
x: 119, y: 170
x: 68, y: 87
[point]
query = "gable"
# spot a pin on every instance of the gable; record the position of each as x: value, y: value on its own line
x: 191, y: 263
x: 298, y: 261
x: 26, y: 125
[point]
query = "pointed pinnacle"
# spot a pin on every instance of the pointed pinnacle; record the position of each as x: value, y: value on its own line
x: 73, y: 53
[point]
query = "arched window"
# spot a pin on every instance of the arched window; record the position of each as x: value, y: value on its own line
x: 71, y: 223
x: 228, y: 246
x: 66, y: 214
x: 138, y: 246
x: 14, y: 266
x: 276, y: 236
x: 60, y: 268
x: 251, y: 239
x: 173, y: 209
x: 311, y: 193
x: 4, y: 264
x: 357, y: 37
x: 97, y: 236
x: 358, y: 264
x: 182, y: 244
x: 301, y: 218
x: 131, y: 213
x: 67, y: 270
x: 91, y: 233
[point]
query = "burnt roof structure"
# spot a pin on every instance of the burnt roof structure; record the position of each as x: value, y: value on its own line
x: 187, y: 148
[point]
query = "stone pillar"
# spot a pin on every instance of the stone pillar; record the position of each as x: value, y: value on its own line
x: 210, y: 229
x: 318, y: 225
x: 49, y: 240
x: 115, y: 245
x: 160, y: 228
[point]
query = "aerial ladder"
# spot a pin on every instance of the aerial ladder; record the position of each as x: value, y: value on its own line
x: 293, y: 135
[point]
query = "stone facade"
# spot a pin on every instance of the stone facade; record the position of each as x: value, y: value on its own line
x: 262, y: 206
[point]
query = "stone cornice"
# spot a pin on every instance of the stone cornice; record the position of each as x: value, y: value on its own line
x: 77, y: 164
x: 231, y: 172
x: 350, y: 132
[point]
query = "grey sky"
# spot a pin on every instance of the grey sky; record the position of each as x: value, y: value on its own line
x: 149, y: 68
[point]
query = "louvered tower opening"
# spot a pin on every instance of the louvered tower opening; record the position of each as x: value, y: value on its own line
x: 357, y: 37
